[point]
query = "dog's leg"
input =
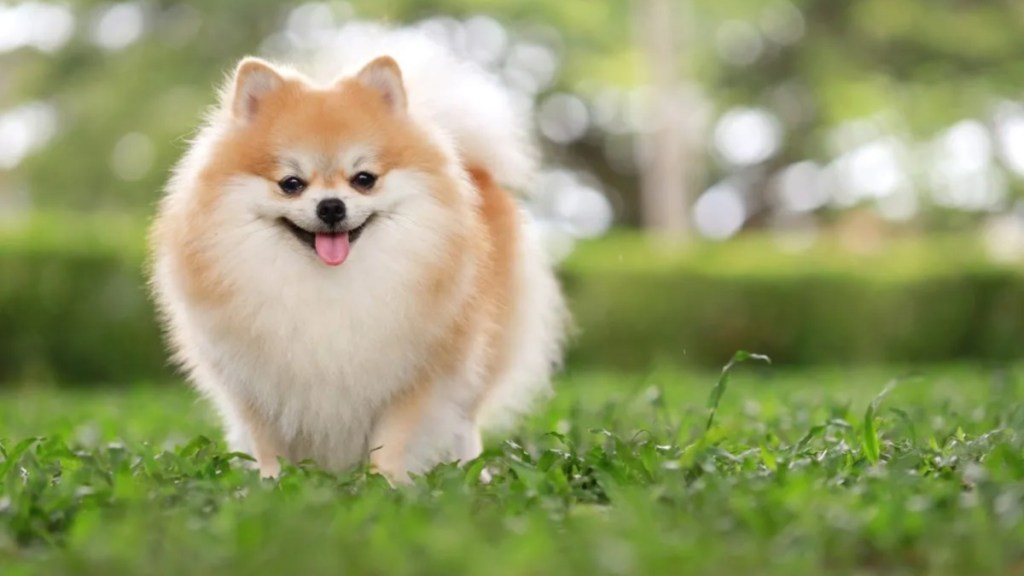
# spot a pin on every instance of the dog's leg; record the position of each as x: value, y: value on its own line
x: 264, y: 443
x: 469, y: 445
x: 389, y: 441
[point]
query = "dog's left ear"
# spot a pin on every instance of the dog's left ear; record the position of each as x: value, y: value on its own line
x: 385, y: 77
x: 254, y: 81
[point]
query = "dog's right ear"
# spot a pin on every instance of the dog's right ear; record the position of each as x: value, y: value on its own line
x: 384, y: 77
x: 255, y: 79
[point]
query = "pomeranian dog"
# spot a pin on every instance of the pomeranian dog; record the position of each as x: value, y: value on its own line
x: 340, y: 267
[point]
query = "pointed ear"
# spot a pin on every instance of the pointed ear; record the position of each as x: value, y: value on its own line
x: 255, y: 79
x: 385, y: 77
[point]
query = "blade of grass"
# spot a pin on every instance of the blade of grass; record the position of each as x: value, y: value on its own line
x: 870, y: 442
x: 15, y: 454
x: 723, y: 381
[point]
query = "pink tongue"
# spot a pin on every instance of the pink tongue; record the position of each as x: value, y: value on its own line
x: 332, y: 248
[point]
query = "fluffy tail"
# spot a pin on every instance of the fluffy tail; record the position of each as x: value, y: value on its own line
x: 465, y: 106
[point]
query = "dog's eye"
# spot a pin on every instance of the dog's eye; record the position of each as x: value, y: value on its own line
x: 363, y: 181
x: 292, y: 184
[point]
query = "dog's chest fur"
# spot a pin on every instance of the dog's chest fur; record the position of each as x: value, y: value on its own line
x: 319, y: 351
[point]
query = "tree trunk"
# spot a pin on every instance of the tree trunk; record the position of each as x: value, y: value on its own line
x: 663, y: 153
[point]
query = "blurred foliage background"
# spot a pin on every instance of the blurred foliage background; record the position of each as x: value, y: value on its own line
x: 829, y: 180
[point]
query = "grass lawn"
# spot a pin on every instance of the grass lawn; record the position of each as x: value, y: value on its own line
x: 799, y: 473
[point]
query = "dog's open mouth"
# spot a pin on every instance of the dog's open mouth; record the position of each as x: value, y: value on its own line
x: 332, y: 247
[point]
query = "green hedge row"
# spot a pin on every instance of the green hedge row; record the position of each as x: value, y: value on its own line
x: 917, y: 300
x: 73, y: 305
x: 76, y: 318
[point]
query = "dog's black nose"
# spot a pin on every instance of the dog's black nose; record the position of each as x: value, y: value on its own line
x: 331, y: 211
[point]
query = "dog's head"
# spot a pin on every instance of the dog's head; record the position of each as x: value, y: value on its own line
x: 323, y: 167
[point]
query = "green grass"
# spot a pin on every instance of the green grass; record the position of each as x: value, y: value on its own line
x: 799, y: 473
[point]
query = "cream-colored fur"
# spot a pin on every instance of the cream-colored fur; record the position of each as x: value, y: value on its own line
x: 303, y: 360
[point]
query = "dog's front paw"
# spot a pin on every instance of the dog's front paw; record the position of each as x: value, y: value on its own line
x: 396, y: 476
x: 269, y: 469
x: 390, y: 467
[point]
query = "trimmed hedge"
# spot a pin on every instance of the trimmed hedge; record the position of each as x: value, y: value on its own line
x: 74, y: 309
x: 920, y: 300
x: 76, y: 318
x: 73, y: 303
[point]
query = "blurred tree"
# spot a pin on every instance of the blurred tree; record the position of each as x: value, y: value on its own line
x: 132, y: 104
x: 124, y: 101
x: 910, y: 68
x: 664, y: 186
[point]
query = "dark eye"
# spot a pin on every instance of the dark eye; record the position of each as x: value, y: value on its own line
x: 292, y: 185
x: 363, y: 181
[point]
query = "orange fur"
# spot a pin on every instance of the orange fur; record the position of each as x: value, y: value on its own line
x: 497, y: 277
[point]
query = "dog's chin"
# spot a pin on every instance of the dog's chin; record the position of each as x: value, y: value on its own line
x: 308, y: 238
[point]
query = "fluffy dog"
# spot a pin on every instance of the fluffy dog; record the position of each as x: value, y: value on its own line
x: 341, y: 269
